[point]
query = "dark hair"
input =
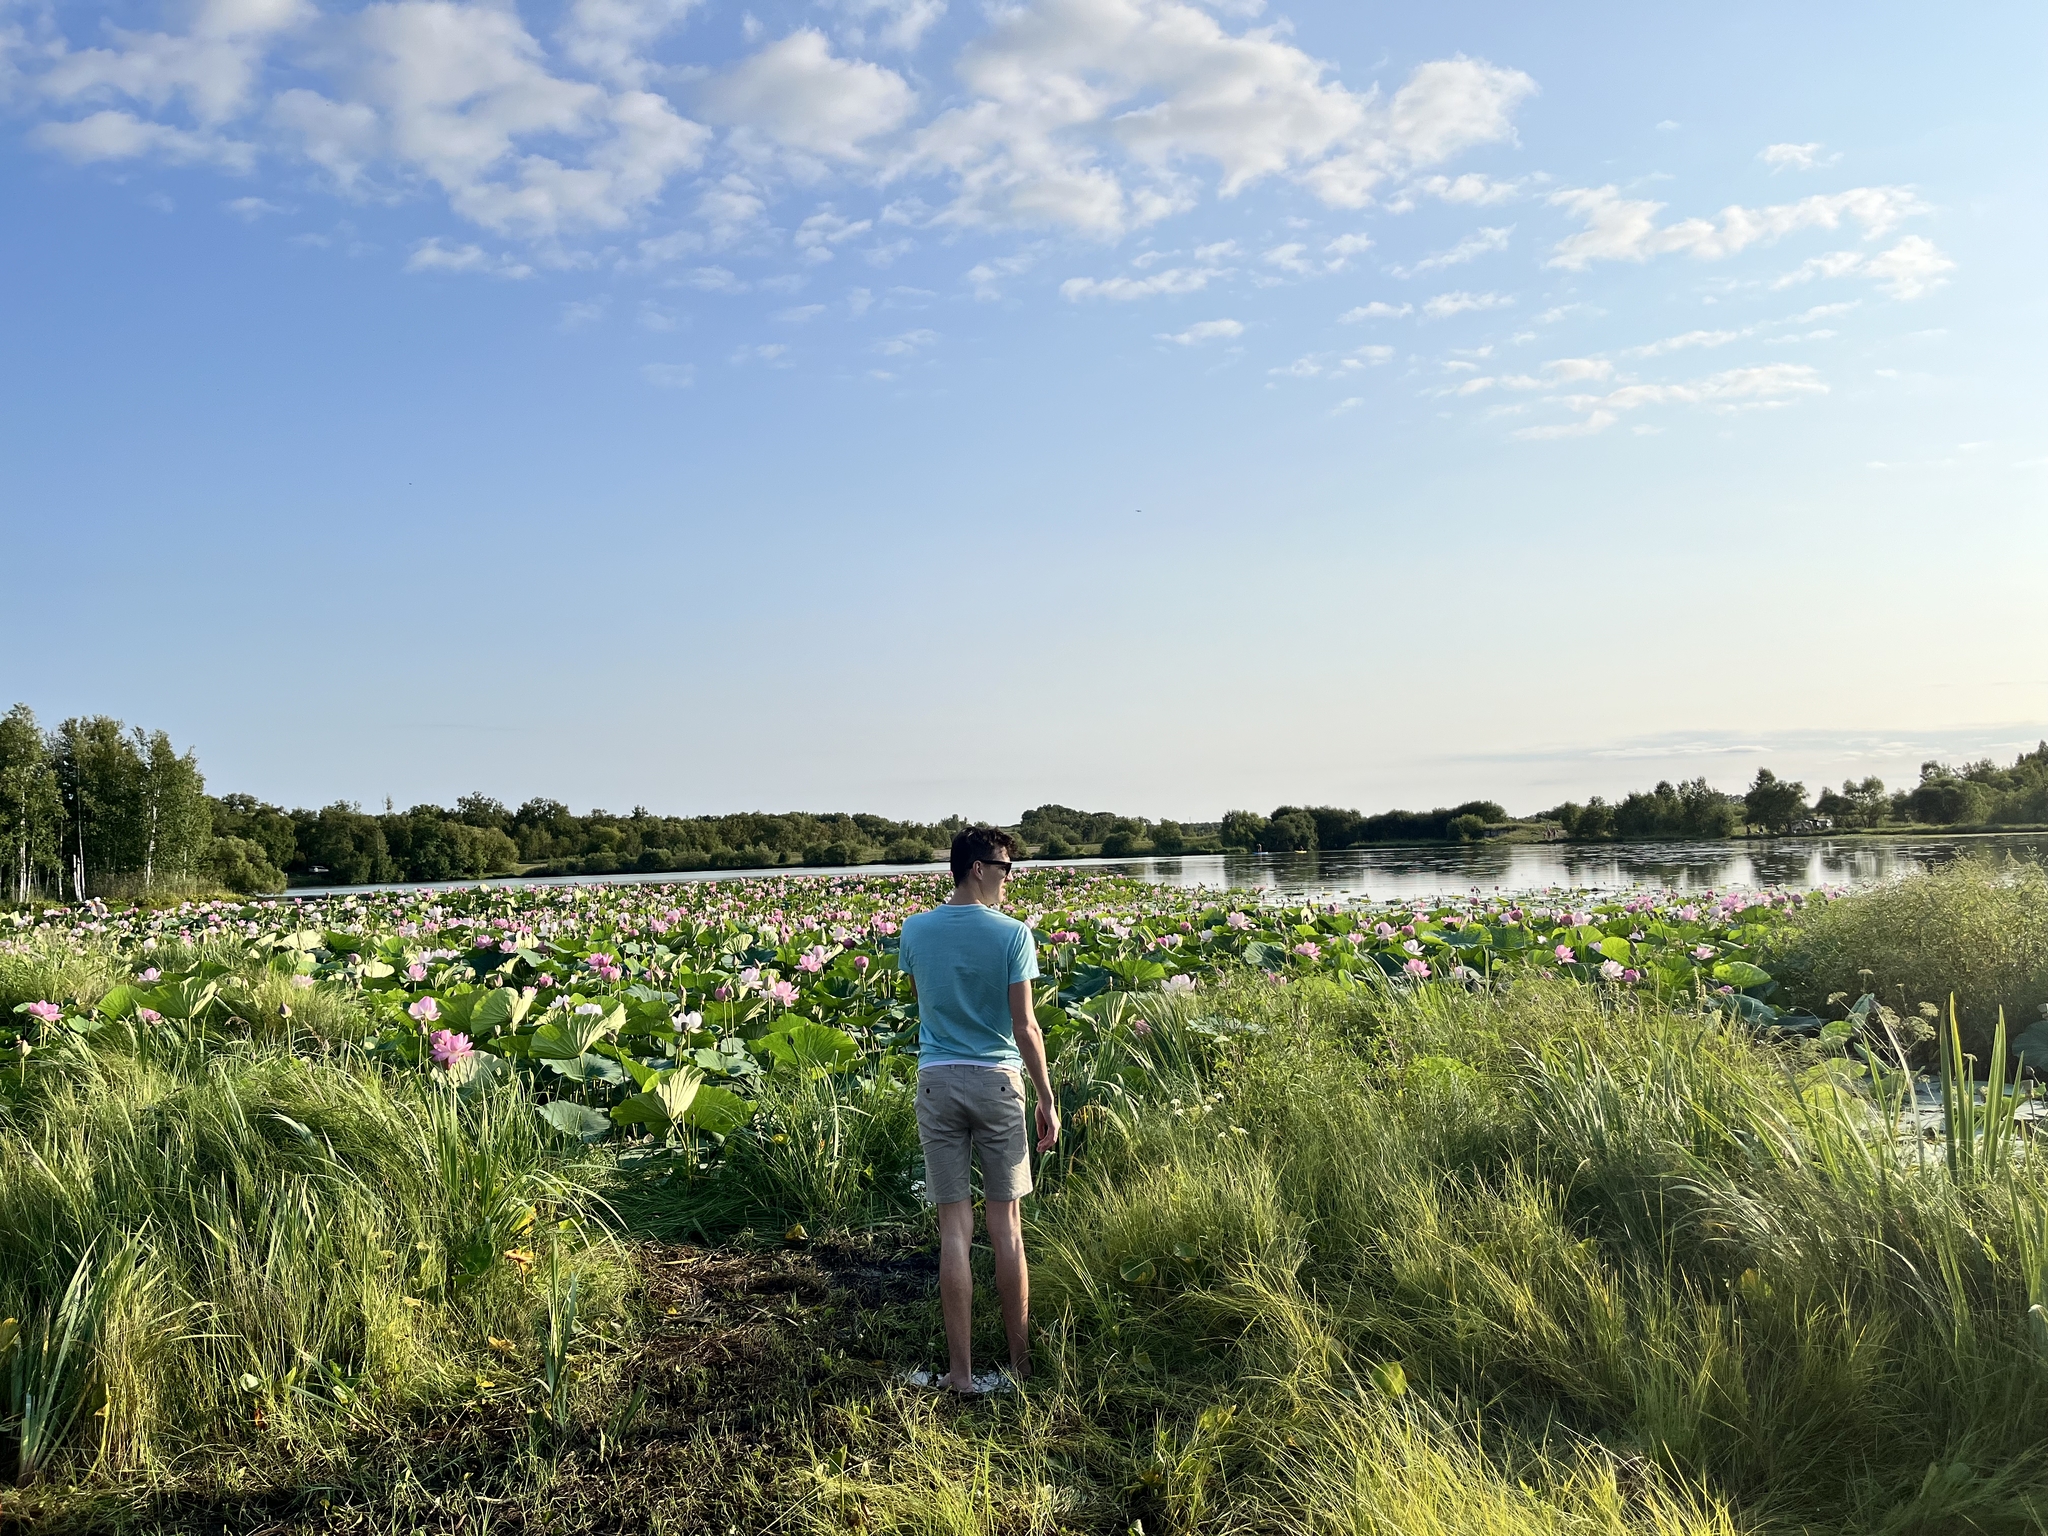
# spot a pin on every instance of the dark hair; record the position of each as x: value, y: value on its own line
x: 981, y: 843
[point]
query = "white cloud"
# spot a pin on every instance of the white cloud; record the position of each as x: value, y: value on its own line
x: 1205, y: 330
x: 1736, y: 389
x: 770, y: 354
x: 1092, y: 113
x: 250, y: 209
x: 907, y: 343
x: 898, y: 24
x: 117, y: 135
x: 210, y: 70
x: 1378, y: 309
x: 581, y: 312
x: 1447, y: 304
x: 1593, y: 425
x: 797, y: 94
x: 988, y: 276
x: 1688, y: 339
x: 1913, y: 267
x: 1822, y: 312
x: 1328, y: 365
x: 1472, y: 188
x: 1172, y: 280
x: 1293, y: 256
x: 433, y: 255
x: 1794, y: 157
x: 1625, y: 229
x: 824, y: 229
x: 797, y: 314
x: 669, y: 375
x: 716, y: 280
x: 1470, y: 248
x: 731, y: 209
x: 452, y: 95
x: 1290, y: 258
x: 610, y: 38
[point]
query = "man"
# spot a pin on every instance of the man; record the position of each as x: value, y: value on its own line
x: 971, y: 969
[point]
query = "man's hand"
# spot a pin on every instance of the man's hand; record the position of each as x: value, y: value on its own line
x: 1048, y: 1125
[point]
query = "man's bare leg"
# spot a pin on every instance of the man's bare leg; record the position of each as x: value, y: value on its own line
x: 1013, y: 1279
x: 956, y: 1290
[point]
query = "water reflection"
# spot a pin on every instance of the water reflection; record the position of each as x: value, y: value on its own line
x: 1401, y: 873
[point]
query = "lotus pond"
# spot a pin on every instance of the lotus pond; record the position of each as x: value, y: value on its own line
x: 581, y: 1209
x: 646, y: 1014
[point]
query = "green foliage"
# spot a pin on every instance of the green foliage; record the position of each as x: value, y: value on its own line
x: 1243, y: 829
x: 197, y: 1227
x: 239, y: 865
x: 1974, y: 929
x: 1466, y: 829
x: 31, y: 812
x: 1772, y: 802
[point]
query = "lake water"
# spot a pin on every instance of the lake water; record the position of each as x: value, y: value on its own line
x: 1383, y: 874
x: 1802, y: 863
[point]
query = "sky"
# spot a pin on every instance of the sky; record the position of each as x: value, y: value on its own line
x: 930, y: 407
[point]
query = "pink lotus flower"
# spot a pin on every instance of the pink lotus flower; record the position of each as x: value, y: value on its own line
x: 780, y: 993
x: 1610, y: 970
x: 543, y: 980
x: 751, y: 976
x: 447, y: 1047
x: 1238, y: 920
x: 1413, y: 946
x: 1419, y: 969
x: 1564, y: 953
x: 1383, y: 931
x: 303, y: 983
x: 49, y: 1013
x: 1308, y: 951
x: 1178, y: 984
x: 722, y: 993
x: 415, y: 972
x: 1703, y: 952
x: 426, y: 1010
x: 149, y: 1016
x: 860, y: 962
x: 1141, y: 1028
x: 152, y: 974
x: 812, y: 959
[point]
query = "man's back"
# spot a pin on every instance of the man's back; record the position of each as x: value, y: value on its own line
x: 964, y: 957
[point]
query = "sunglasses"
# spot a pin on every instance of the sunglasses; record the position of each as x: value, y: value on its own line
x: 1001, y: 864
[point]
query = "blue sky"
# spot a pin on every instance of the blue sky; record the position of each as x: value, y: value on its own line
x: 923, y: 406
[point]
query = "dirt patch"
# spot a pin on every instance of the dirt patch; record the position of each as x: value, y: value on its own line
x: 699, y: 1425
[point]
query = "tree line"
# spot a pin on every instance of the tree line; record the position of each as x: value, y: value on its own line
x: 95, y: 807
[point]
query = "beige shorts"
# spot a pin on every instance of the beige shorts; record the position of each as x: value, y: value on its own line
x: 981, y: 1106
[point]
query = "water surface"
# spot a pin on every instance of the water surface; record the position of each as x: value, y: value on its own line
x: 1383, y: 874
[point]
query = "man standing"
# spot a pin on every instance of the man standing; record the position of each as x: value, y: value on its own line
x: 971, y: 970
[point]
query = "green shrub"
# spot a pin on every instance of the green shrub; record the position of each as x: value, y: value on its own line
x: 242, y: 866
x: 1975, y: 929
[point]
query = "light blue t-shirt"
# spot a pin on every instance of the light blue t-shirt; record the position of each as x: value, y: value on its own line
x: 963, y: 959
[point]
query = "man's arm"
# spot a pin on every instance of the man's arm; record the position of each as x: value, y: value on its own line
x: 1031, y: 1046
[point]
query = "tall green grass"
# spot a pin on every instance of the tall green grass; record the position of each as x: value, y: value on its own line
x: 1541, y: 1261
x: 1975, y: 929
x: 259, y: 1241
